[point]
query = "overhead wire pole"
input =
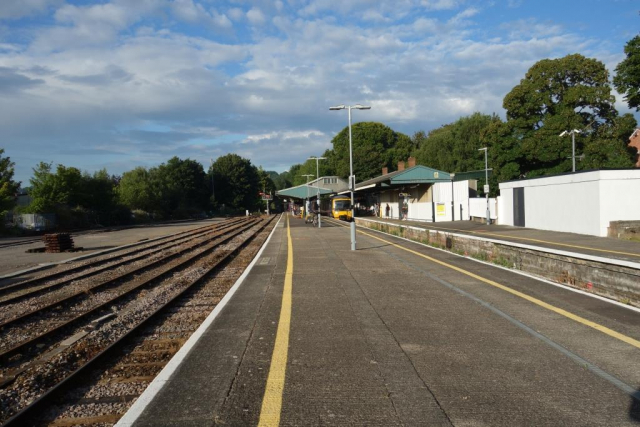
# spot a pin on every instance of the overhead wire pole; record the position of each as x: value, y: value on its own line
x: 352, y: 178
x: 486, y: 177
x: 573, y: 146
x: 317, y: 187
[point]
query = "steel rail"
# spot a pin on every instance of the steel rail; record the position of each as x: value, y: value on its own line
x: 8, y: 353
x: 27, y: 413
x: 156, y: 248
x: 34, y: 281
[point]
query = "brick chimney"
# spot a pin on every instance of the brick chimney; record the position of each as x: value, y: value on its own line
x: 400, y: 165
x: 412, y: 162
x: 385, y: 170
x: 634, y: 141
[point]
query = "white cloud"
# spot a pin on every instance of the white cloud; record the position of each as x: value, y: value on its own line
x: 235, y: 13
x: 440, y: 4
x: 116, y: 85
x: 255, y: 16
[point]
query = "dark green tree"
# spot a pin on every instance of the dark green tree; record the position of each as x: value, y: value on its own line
x: 180, y: 187
x: 374, y: 147
x: 454, y: 147
x: 237, y: 183
x: 572, y: 92
x: 627, y: 79
x: 8, y: 187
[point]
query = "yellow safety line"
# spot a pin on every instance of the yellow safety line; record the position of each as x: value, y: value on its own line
x: 530, y: 240
x: 272, y: 400
x: 536, y: 301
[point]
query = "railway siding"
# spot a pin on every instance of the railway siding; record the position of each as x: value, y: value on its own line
x: 42, y: 373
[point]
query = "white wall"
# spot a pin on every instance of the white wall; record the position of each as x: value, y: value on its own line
x: 619, y: 198
x: 580, y: 203
x: 478, y: 207
x: 420, y: 211
x: 442, y: 194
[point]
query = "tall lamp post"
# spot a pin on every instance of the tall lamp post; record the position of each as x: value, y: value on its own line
x: 486, y: 177
x: 317, y: 187
x: 573, y: 146
x: 306, y: 205
x: 352, y: 178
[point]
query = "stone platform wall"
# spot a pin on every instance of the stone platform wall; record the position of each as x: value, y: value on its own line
x: 608, y: 279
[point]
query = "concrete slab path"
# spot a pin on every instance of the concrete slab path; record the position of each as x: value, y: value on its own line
x: 397, y: 333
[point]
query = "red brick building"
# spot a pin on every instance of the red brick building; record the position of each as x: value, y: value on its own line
x: 634, y: 141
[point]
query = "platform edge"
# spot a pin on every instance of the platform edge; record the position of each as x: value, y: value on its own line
x: 134, y: 412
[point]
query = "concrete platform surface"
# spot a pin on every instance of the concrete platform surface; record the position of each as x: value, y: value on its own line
x: 15, y: 258
x: 605, y: 247
x: 386, y: 336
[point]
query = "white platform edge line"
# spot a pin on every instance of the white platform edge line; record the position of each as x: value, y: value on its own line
x: 90, y: 255
x: 159, y: 381
x: 520, y: 272
x: 612, y: 261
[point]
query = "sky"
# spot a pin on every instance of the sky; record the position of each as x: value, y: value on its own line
x: 124, y: 83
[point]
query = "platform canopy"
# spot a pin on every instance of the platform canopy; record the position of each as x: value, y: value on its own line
x: 414, y: 175
x: 302, y: 191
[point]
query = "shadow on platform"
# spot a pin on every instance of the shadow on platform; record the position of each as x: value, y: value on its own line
x: 634, y: 409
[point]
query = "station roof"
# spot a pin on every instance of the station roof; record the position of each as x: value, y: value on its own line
x: 303, y: 191
x: 414, y: 175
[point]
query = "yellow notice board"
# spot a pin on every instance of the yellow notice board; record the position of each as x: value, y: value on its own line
x: 441, y: 209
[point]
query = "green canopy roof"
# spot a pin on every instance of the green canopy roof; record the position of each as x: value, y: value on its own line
x: 302, y: 191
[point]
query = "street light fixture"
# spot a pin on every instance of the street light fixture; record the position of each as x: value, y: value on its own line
x: 573, y: 146
x: 352, y: 178
x: 318, y: 188
x: 486, y: 177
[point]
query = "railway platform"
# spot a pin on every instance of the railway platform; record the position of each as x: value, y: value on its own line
x: 397, y: 333
x: 582, y: 244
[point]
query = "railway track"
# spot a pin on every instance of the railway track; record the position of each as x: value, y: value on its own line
x: 39, y: 363
x: 34, y: 286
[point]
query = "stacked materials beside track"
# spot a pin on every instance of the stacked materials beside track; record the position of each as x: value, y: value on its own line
x: 57, y: 242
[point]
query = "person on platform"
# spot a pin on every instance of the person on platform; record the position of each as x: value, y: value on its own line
x: 387, y: 210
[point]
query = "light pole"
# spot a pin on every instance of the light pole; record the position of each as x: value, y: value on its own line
x: 352, y: 178
x: 486, y: 177
x: 573, y: 146
x: 306, y: 204
x: 318, y: 188
x: 453, y: 212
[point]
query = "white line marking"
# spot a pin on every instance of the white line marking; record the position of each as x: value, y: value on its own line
x: 156, y: 385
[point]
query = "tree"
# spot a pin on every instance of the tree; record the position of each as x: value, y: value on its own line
x: 454, y: 147
x: 8, y: 187
x: 180, y: 187
x: 374, y: 146
x: 134, y: 190
x: 50, y: 190
x: 237, y: 182
x: 572, y: 92
x: 627, y: 79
